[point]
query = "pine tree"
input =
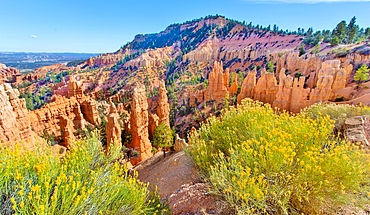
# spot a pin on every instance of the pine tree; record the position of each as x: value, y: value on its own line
x: 162, y: 137
x: 362, y: 74
x: 270, y: 67
x: 302, y: 51
x: 352, y: 31
x: 334, y: 40
x: 367, y: 32
x: 340, y: 31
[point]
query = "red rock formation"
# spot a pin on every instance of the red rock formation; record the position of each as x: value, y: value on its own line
x: 266, y: 87
x: 14, y: 118
x: 247, y: 88
x: 139, y: 123
x: 74, y: 87
x: 66, y: 127
x: 233, y: 89
x: 292, y: 95
x: 152, y: 58
x: 7, y: 73
x: 77, y: 110
x: 163, y: 109
x: 113, y: 129
x: 89, y: 110
x: 153, y: 124
x: 217, y: 87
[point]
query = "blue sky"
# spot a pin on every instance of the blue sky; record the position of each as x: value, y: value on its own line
x: 103, y: 26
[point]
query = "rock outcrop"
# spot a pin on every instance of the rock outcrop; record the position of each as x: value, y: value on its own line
x: 163, y: 109
x: 324, y: 81
x: 14, y: 117
x: 7, y: 73
x: 66, y: 127
x: 74, y: 87
x: 292, y: 95
x: 354, y: 130
x: 113, y: 128
x: 217, y: 83
x: 153, y: 124
x: 266, y: 87
x: 79, y: 111
x: 180, y: 144
x: 247, y: 88
x: 139, y: 123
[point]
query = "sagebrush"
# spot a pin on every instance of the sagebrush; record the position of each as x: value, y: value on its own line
x: 86, y: 181
x: 263, y: 161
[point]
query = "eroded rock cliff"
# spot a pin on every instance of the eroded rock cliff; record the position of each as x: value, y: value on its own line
x: 14, y: 118
x: 139, y: 123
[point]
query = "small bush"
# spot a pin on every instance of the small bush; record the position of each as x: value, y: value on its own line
x: 85, y: 181
x: 263, y: 162
x: 337, y: 112
x: 163, y: 137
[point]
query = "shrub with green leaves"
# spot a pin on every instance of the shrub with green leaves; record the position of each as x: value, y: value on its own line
x: 337, y: 112
x: 265, y: 162
x: 86, y: 181
x: 362, y: 73
x: 163, y: 137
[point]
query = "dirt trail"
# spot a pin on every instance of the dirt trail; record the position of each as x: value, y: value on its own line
x: 179, y: 183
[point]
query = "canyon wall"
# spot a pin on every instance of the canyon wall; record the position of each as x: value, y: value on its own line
x: 14, y: 117
x: 316, y: 81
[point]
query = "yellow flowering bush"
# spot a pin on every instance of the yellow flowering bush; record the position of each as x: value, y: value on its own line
x: 337, y: 112
x: 263, y: 161
x: 85, y: 181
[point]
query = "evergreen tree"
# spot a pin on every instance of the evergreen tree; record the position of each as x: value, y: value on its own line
x: 275, y: 28
x: 302, y: 51
x: 309, y: 32
x: 362, y: 74
x: 326, y: 35
x: 340, y: 31
x: 334, y: 40
x: 163, y: 137
x: 270, y: 67
x: 352, y: 31
x: 367, y: 32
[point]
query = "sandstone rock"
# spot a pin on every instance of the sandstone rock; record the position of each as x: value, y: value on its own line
x: 354, y: 130
x: 74, y: 87
x: 14, y: 117
x: 89, y: 110
x: 46, y: 119
x: 163, y: 109
x: 7, y: 73
x: 207, y: 51
x: 139, y: 123
x: 292, y: 95
x: 180, y: 144
x: 152, y: 58
x: 266, y: 88
x: 66, y: 127
x: 247, y: 89
x: 79, y: 111
x: 233, y: 89
x: 217, y: 87
x: 153, y: 124
x: 323, y: 90
x: 113, y: 128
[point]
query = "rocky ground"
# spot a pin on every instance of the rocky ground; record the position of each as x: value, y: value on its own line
x: 180, y: 184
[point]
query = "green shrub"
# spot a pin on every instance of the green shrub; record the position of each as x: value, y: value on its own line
x: 85, y: 181
x: 163, y: 137
x: 261, y: 161
x: 337, y: 112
